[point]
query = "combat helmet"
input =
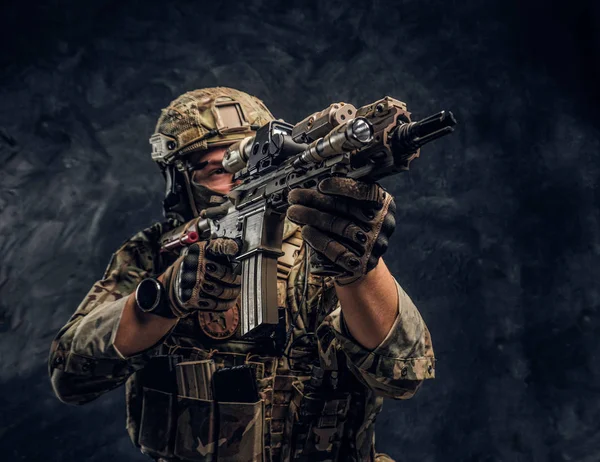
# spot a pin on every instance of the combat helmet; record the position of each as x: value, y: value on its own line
x: 192, y: 124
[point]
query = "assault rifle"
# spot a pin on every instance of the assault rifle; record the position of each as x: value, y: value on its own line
x: 369, y: 143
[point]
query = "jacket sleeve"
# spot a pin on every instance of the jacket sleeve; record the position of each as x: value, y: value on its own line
x: 397, y: 367
x: 84, y: 362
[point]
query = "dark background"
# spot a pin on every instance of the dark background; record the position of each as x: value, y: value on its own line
x: 498, y: 240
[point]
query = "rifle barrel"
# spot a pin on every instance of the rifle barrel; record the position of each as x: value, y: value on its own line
x: 409, y: 137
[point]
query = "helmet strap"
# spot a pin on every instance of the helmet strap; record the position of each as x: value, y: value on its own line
x: 190, y: 193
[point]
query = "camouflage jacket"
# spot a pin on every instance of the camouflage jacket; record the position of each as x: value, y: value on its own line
x: 297, y: 417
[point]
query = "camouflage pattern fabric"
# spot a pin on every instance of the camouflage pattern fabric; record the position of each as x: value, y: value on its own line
x: 291, y: 421
x: 190, y: 118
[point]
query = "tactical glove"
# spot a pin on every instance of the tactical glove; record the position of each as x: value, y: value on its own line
x: 347, y: 222
x: 203, y: 279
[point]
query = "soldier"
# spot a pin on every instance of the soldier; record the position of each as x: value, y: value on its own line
x: 166, y: 324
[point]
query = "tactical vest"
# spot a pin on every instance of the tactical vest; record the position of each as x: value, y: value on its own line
x: 301, y: 410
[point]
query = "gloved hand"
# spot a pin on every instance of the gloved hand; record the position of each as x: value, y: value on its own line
x: 346, y: 221
x: 203, y: 278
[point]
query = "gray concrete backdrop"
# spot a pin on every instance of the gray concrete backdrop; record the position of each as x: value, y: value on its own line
x: 498, y: 240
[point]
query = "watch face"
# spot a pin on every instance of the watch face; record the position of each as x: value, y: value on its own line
x: 147, y: 294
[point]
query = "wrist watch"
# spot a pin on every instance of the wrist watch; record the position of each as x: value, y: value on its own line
x: 150, y: 297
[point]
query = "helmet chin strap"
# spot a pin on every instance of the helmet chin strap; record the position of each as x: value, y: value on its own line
x: 190, y: 194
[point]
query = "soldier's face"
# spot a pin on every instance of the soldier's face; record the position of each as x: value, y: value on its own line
x: 210, y: 171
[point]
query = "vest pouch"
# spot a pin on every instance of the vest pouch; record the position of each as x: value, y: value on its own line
x: 241, y: 432
x: 315, y: 425
x: 195, y: 435
x: 157, y: 422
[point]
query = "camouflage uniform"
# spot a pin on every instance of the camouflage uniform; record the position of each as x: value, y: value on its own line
x: 318, y: 400
x: 84, y: 364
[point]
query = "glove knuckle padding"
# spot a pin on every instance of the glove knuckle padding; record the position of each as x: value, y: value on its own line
x: 204, y: 278
x: 222, y: 272
x: 188, y: 280
x: 195, y: 249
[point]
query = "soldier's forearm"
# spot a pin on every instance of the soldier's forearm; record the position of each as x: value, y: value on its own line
x: 370, y: 306
x: 139, y: 331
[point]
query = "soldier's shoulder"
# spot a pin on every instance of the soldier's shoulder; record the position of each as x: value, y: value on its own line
x: 150, y: 235
x: 140, y: 249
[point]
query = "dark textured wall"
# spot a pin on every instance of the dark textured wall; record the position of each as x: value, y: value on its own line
x: 498, y: 240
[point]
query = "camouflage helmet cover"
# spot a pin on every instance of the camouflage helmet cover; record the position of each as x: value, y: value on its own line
x: 201, y: 119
